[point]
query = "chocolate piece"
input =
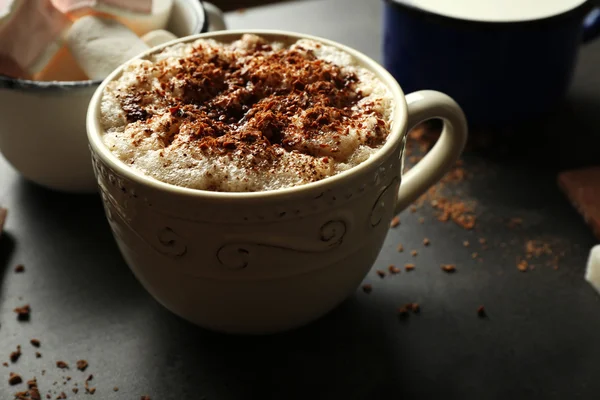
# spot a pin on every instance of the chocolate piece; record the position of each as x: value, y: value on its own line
x: 14, y: 356
x: 582, y: 188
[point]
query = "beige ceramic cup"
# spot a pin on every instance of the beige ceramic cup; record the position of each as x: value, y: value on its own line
x: 269, y: 261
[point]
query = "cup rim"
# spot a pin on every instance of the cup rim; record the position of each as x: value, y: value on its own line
x: 200, y: 26
x: 395, y: 137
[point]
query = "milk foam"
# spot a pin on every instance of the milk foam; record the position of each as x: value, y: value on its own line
x: 141, y: 145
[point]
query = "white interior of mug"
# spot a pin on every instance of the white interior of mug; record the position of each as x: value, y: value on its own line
x: 395, y: 137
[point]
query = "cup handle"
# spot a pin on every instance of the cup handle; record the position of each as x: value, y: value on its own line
x: 591, y: 25
x: 424, y: 105
x: 216, y: 19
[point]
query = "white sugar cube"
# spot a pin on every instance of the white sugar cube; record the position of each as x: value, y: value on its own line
x: 592, y: 273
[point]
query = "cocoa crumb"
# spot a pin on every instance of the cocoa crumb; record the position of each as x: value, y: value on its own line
x: 62, y: 365
x: 145, y: 398
x: 400, y: 248
x: 413, y: 209
x: 414, y: 307
x: 15, y: 355
x: 515, y: 222
x: 5, y: 364
x: 23, y: 313
x: 393, y: 269
x: 522, y: 265
x: 82, y: 365
x: 481, y: 312
x: 402, y: 312
x: 449, y: 268
x: 115, y: 389
x: 367, y: 288
x: 413, y: 253
x: 3, y: 213
x: 62, y: 395
x: 426, y: 242
x: 421, y: 220
x: 474, y: 255
x: 409, y: 267
x: 75, y: 390
x: 466, y: 243
x: 395, y: 222
x: 482, y: 241
x: 19, y: 268
x: 380, y: 273
x: 35, y: 342
x: 14, y: 379
x: 38, y: 354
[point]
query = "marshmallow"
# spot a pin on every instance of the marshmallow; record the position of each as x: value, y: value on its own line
x: 141, y: 16
x: 99, y: 45
x: 157, y: 37
x: 592, y: 272
x: 31, y: 33
x: 62, y: 67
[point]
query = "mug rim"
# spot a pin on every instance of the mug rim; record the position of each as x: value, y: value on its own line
x: 394, y: 139
x: 18, y: 83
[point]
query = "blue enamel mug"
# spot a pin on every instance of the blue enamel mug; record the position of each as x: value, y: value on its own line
x: 483, y: 53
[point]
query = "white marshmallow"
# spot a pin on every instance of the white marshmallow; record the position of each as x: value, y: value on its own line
x: 62, y: 67
x: 157, y: 37
x: 133, y: 14
x: 31, y: 33
x: 99, y: 45
x: 592, y: 272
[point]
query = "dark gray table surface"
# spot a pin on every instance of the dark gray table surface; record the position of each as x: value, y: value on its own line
x: 541, y: 339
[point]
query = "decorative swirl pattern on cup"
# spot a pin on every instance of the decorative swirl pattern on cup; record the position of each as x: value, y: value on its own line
x: 237, y: 255
x: 169, y: 243
x: 381, y: 206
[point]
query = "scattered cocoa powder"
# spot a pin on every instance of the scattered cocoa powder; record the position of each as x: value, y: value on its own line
x: 414, y: 307
x: 15, y: 355
x: 14, y: 379
x: 400, y: 248
x: 402, y: 311
x: 62, y: 395
x: 481, y: 312
x: 23, y: 312
x: 522, y: 265
x: 3, y: 213
x: 449, y: 268
x: 82, y: 365
x: 367, y: 288
x: 395, y: 222
x: 380, y: 273
x: 62, y: 365
x: 393, y: 269
x: 414, y: 253
x: 145, y: 398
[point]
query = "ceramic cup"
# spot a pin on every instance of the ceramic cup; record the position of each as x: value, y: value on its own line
x: 42, y: 124
x: 482, y: 53
x: 270, y: 261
